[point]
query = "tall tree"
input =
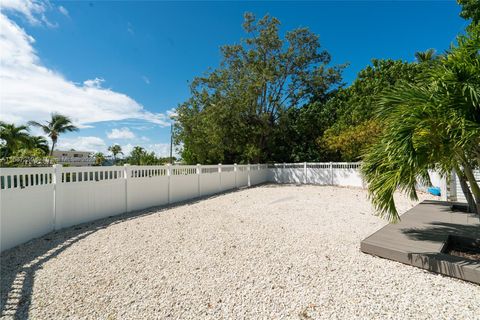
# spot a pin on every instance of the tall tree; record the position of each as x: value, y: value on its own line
x: 57, y: 125
x: 433, y: 123
x: 234, y: 110
x: 14, y: 136
x: 354, y: 107
x: 115, y: 150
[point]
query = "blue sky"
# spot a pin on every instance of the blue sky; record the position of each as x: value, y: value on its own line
x: 126, y: 64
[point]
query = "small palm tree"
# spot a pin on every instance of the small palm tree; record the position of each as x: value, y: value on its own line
x: 115, y: 150
x: 431, y: 124
x: 38, y: 142
x: 14, y: 137
x: 99, y: 158
x: 57, y: 125
x: 426, y: 56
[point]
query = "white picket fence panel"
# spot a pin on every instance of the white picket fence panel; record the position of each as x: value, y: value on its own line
x: 35, y: 201
x: 328, y: 173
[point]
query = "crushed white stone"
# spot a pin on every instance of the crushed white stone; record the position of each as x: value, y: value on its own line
x: 271, y: 252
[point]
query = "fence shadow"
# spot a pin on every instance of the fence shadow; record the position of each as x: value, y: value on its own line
x: 19, y: 264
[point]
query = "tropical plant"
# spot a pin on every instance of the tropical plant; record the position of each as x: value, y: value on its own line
x: 426, y: 56
x: 433, y: 123
x: 353, y: 108
x: 57, y: 125
x: 115, y: 150
x: 139, y: 156
x: 37, y: 143
x: 99, y: 158
x: 14, y: 137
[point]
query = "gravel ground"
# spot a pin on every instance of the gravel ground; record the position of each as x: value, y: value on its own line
x: 269, y: 252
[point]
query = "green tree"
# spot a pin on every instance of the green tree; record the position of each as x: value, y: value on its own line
x: 99, y: 158
x: 139, y: 156
x: 15, y: 137
x: 234, y: 110
x: 57, y: 125
x: 470, y: 10
x: 354, y: 107
x: 115, y: 150
x: 37, y: 143
x: 433, y: 123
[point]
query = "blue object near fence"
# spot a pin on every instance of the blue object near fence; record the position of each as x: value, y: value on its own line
x: 435, y: 191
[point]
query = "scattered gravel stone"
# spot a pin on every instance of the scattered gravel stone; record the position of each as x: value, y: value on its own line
x: 271, y: 252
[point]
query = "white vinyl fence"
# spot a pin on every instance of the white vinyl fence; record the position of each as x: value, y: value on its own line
x: 328, y: 173
x: 35, y: 201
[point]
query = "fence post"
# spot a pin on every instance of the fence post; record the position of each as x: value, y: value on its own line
x: 305, y: 173
x: 57, y: 194
x: 220, y: 177
x: 126, y: 173
x: 169, y: 174
x: 248, y: 174
x: 235, y: 171
x: 331, y: 173
x: 452, y: 194
x: 199, y: 171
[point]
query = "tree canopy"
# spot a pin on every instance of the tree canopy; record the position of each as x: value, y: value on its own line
x: 234, y: 110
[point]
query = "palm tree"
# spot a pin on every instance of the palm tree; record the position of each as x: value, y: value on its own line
x: 14, y: 137
x: 99, y: 158
x: 426, y: 56
x: 58, y: 124
x: 431, y: 124
x: 38, y: 142
x: 115, y: 150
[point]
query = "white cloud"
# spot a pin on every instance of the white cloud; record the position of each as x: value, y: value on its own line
x: 94, y: 83
x: 32, y: 10
x: 31, y: 91
x: 146, y: 80
x: 130, y: 29
x: 160, y: 149
x: 122, y: 133
x: 92, y: 144
x: 63, y: 11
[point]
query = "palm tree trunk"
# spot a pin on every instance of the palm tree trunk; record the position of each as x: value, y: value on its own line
x: 473, y: 185
x: 472, y: 207
x: 53, y: 146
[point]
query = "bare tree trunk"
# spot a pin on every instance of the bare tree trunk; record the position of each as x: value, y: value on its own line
x: 472, y: 207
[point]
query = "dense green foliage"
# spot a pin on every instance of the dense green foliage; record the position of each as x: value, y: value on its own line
x: 140, y: 156
x: 355, y: 106
x: 20, y: 148
x: 431, y: 123
x: 235, y: 111
x: 277, y: 100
